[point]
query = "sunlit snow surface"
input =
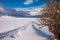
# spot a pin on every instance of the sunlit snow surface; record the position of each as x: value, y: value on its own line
x: 12, y: 28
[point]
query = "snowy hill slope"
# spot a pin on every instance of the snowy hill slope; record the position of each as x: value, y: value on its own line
x: 33, y: 33
x: 30, y: 32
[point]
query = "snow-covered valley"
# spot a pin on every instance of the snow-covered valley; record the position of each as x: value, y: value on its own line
x: 12, y: 28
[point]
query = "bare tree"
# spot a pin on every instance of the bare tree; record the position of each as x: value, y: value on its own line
x: 51, y: 17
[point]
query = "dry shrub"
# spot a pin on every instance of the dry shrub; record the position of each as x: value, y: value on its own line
x: 51, y: 17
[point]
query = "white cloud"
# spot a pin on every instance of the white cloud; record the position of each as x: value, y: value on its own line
x: 32, y: 10
x: 29, y: 9
x: 27, y: 2
x: 36, y: 11
x: 22, y: 9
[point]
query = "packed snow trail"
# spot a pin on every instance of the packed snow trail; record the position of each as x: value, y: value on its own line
x: 12, y: 33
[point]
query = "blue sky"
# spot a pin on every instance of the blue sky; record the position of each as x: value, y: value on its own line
x: 22, y: 3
